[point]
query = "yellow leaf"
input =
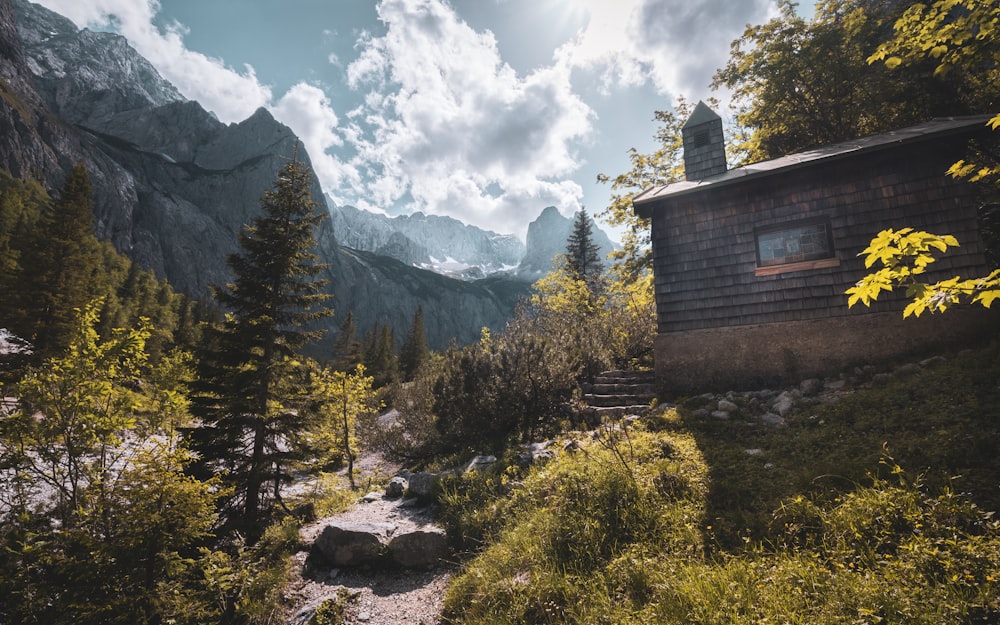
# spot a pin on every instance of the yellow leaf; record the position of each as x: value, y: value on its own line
x: 893, y: 62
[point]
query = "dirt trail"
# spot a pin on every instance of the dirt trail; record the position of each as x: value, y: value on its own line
x: 379, y: 596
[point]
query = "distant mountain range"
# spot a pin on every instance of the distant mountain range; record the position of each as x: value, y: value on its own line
x: 452, y: 248
x: 174, y: 185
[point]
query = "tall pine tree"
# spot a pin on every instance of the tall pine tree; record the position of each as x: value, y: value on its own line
x: 583, y: 256
x: 414, y: 350
x: 60, y: 279
x: 248, y: 408
x: 347, y: 351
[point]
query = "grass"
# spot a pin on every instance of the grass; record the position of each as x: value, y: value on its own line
x: 872, y: 509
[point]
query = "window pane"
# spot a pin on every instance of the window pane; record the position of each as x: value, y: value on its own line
x: 793, y: 245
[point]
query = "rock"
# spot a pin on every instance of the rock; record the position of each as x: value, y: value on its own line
x: 881, y: 379
x: 481, y: 463
x: 420, y: 548
x: 783, y: 404
x: 722, y: 415
x: 423, y: 484
x: 753, y: 452
x: 933, y: 361
x: 353, y: 544
x: 835, y: 385
x: 772, y: 420
x: 811, y: 387
x: 371, y: 497
x: 727, y: 406
x: 396, y: 487
x: 536, y: 453
x: 907, y: 370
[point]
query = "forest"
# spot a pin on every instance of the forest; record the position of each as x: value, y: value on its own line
x: 148, y: 440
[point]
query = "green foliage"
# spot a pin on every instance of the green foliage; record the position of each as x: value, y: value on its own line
x: 583, y: 258
x: 343, y: 398
x: 664, y: 165
x: 515, y: 385
x: 332, y: 611
x: 961, y: 40
x: 379, y: 354
x: 905, y: 255
x: 414, y: 350
x: 586, y: 539
x: 248, y: 388
x: 347, y: 348
x: 94, y: 429
x: 411, y: 434
x: 800, y: 83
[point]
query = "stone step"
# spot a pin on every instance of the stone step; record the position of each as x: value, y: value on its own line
x: 621, y: 373
x: 622, y: 389
x: 617, y: 400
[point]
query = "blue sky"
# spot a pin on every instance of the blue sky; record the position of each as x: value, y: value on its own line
x: 485, y: 110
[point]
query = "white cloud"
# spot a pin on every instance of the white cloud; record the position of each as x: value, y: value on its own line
x: 232, y: 95
x: 452, y: 122
x: 307, y: 111
x: 677, y: 43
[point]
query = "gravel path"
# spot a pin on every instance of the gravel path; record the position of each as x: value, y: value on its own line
x: 378, y: 596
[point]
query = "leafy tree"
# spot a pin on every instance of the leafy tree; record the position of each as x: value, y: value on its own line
x: 344, y: 397
x: 88, y: 403
x: 414, y: 350
x: 94, y: 428
x: 583, y: 256
x: 246, y: 401
x: 800, y: 83
x: 961, y: 40
x: 958, y: 37
x: 664, y: 165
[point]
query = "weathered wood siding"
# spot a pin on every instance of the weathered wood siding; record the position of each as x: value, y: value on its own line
x: 705, y: 250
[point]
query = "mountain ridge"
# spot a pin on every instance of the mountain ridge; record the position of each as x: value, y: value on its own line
x: 173, y: 185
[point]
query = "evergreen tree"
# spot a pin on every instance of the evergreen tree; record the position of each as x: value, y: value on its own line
x: 347, y: 353
x: 61, y: 277
x: 379, y: 354
x: 248, y: 407
x: 414, y: 350
x: 583, y: 256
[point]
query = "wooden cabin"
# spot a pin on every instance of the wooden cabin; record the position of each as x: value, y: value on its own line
x: 751, y: 264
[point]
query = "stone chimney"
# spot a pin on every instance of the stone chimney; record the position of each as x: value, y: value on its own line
x: 704, y: 144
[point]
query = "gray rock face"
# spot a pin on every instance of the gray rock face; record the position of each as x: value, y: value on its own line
x: 353, y: 544
x: 420, y: 548
x: 68, y: 63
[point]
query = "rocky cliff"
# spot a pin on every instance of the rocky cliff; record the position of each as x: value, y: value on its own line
x: 547, y: 237
x: 173, y: 185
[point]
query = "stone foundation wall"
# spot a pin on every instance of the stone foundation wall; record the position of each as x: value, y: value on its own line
x: 761, y: 356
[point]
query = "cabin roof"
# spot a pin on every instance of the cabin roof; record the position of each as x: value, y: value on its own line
x: 643, y: 203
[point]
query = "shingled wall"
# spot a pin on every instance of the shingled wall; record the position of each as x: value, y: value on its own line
x: 721, y: 324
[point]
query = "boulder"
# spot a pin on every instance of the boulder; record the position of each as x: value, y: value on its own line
x: 423, y: 484
x: 727, y: 406
x: 419, y: 548
x: 396, y: 487
x: 353, y: 544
